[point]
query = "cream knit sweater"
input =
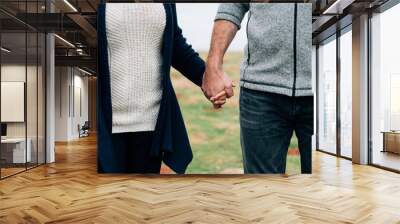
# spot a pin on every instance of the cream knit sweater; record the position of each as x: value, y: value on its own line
x: 134, y: 36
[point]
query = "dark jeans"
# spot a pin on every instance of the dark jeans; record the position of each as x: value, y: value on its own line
x: 267, y: 122
x: 132, y: 151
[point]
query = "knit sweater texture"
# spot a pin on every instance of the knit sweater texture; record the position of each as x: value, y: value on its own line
x: 134, y: 36
x: 277, y: 57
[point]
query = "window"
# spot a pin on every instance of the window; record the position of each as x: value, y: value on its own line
x: 22, y: 78
x: 385, y: 89
x: 346, y: 93
x: 327, y: 95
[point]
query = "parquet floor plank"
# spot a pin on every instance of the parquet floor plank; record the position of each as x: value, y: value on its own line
x: 71, y: 191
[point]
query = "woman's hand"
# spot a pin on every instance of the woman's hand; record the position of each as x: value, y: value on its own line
x: 220, y: 99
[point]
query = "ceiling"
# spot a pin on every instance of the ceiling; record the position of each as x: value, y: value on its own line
x: 74, y: 22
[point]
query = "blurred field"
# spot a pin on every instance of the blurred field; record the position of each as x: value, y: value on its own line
x: 214, y: 134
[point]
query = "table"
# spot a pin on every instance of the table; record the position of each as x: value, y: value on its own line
x: 391, y: 141
x: 16, y: 147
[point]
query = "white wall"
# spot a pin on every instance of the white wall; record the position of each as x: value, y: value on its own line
x: 13, y: 101
x: 16, y: 73
x: 70, y: 83
x: 62, y: 81
x: 79, y: 117
x: 10, y: 73
x: 33, y: 126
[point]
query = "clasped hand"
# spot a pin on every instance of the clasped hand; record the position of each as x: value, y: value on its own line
x: 217, y: 86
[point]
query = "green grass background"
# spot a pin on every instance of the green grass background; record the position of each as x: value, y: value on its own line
x: 214, y: 134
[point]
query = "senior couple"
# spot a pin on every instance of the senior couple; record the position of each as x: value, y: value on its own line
x: 139, y: 121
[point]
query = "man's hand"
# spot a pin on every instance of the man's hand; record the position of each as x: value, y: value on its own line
x: 217, y: 86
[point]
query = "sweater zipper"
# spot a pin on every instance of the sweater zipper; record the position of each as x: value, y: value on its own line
x: 294, y: 50
x: 247, y: 35
x: 248, y: 47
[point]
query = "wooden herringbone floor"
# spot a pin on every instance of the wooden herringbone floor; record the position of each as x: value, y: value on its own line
x: 70, y: 191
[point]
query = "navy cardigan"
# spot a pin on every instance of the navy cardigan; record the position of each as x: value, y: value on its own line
x: 170, y: 139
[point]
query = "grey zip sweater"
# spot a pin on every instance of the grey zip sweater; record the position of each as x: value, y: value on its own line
x: 278, y: 53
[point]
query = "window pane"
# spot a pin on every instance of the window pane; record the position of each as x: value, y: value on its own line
x: 14, y: 153
x: 41, y: 98
x: 31, y: 98
x: 346, y: 94
x: 385, y: 114
x: 327, y: 96
x: 22, y: 89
